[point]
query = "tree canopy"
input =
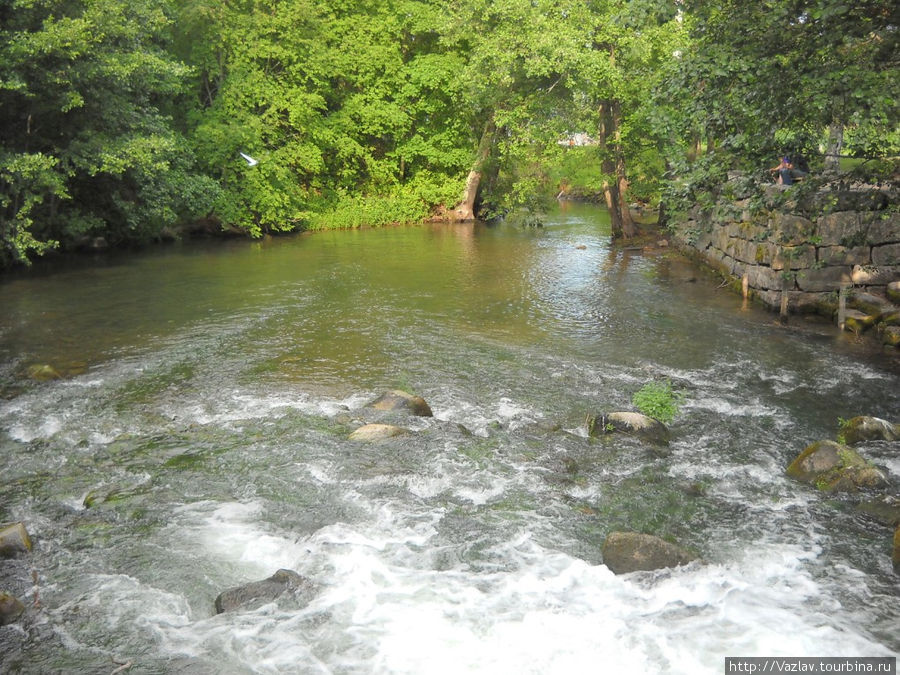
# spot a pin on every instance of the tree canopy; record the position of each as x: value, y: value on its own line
x: 126, y: 120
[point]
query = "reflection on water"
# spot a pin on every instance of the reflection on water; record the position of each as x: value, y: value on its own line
x: 209, y: 391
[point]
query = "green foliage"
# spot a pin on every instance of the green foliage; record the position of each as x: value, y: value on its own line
x: 658, y: 400
x: 87, y: 145
x: 122, y: 119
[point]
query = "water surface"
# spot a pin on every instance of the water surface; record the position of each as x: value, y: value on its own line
x: 207, y: 397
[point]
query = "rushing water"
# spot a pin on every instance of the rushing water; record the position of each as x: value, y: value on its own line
x: 209, y: 392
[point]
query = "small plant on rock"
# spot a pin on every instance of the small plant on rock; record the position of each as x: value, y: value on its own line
x: 658, y: 400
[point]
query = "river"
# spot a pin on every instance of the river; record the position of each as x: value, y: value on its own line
x: 208, y: 391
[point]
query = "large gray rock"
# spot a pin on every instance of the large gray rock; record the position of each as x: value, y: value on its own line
x: 376, y: 432
x: 258, y: 593
x: 401, y: 400
x: 864, y: 428
x: 633, y: 423
x: 14, y: 540
x: 625, y: 552
x: 834, y: 467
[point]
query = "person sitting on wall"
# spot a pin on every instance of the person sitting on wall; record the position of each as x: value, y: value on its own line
x: 788, y: 172
x: 784, y: 171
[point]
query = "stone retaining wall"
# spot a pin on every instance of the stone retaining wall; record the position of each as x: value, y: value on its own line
x: 804, y: 244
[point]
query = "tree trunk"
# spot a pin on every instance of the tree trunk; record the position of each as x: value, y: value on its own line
x: 465, y: 210
x: 628, y: 228
x: 608, y: 167
x: 835, y: 144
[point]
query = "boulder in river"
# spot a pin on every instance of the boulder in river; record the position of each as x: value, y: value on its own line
x: 630, y: 423
x: 377, y: 432
x: 863, y: 428
x: 625, y: 552
x: 258, y: 593
x: 14, y: 540
x: 401, y: 400
x: 10, y: 608
x: 834, y: 467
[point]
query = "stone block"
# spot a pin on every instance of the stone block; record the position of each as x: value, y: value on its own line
x: 792, y: 230
x: 823, y: 280
x: 764, y: 278
x: 843, y: 256
x: 841, y: 229
x: 882, y: 227
x: 889, y: 254
x: 795, y: 257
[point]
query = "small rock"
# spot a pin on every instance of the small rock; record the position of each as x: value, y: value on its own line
x: 258, y: 593
x: 401, y: 400
x: 625, y: 552
x: 376, y: 432
x: 10, y: 608
x: 14, y: 540
x: 833, y: 467
x: 631, y: 423
x: 864, y: 428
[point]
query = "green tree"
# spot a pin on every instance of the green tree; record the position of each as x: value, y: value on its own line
x: 764, y: 74
x: 87, y: 146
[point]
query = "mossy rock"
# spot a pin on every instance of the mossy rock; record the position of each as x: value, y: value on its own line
x: 625, y: 552
x: 893, y: 291
x: 401, y: 400
x: 632, y: 423
x: 833, y: 467
x: 864, y: 428
x: 377, y: 432
x: 10, y: 608
x: 896, y: 557
x: 890, y: 336
x: 14, y: 540
x: 857, y: 322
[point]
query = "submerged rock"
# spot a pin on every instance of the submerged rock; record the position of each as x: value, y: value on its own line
x: 42, y: 372
x: 862, y: 428
x: 14, y: 540
x: 630, y: 423
x: 377, y: 432
x: 401, y: 400
x: 10, y: 608
x: 258, y: 593
x: 625, y: 552
x: 885, y: 510
x: 833, y: 467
